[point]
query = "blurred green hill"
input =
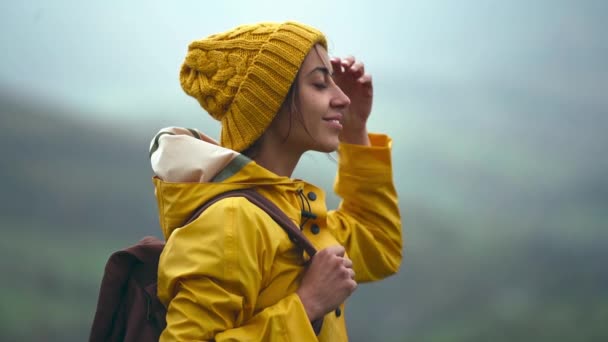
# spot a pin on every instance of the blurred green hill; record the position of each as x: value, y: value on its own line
x: 505, y: 218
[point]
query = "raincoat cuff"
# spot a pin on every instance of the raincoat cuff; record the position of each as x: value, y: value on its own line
x: 376, y: 156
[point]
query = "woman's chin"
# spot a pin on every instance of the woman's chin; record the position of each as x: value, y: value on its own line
x: 328, y: 147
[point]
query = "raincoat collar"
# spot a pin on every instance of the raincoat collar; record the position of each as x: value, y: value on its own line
x: 190, y: 168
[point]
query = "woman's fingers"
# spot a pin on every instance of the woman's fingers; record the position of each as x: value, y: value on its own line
x: 357, y: 69
x: 366, y: 82
x: 354, y: 69
x: 348, y: 62
x: 349, y: 266
x: 365, y: 79
x: 336, y: 64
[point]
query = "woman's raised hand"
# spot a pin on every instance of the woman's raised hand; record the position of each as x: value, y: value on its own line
x: 350, y: 76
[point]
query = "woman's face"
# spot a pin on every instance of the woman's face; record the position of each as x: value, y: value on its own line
x: 313, y: 122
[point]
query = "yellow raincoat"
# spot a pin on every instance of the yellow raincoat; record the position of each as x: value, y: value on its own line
x: 232, y: 274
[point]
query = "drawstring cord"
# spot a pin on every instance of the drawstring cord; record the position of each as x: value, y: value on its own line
x: 306, y: 213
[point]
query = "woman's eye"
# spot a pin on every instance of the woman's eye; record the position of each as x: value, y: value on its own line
x: 320, y: 85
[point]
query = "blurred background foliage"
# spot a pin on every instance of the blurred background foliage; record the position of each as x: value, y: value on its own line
x: 498, y: 113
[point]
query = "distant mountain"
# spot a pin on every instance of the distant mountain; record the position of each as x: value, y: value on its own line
x: 73, y: 173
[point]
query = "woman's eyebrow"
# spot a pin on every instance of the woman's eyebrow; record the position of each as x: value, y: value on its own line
x: 323, y: 70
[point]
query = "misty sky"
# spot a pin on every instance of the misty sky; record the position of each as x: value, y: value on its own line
x: 121, y: 58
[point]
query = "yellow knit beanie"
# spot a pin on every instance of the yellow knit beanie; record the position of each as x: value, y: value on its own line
x: 242, y: 76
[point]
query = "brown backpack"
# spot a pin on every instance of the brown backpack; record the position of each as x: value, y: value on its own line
x: 128, y: 308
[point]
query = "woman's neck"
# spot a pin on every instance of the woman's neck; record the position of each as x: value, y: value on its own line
x: 277, y: 157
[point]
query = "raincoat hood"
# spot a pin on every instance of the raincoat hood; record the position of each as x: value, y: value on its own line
x: 191, y: 168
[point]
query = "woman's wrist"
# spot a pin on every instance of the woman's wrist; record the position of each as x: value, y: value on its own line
x: 359, y: 137
x: 311, y: 310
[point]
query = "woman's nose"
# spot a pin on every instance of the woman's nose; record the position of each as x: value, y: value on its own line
x: 340, y: 99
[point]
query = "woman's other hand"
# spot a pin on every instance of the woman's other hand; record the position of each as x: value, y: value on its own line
x: 328, y: 281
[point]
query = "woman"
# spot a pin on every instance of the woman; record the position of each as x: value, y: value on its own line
x: 233, y: 274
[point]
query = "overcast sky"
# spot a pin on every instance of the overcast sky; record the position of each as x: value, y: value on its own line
x: 119, y: 58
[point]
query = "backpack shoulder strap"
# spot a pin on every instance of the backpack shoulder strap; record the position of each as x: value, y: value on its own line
x: 293, y: 231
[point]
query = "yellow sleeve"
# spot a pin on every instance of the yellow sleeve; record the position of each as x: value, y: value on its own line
x: 367, y: 222
x: 210, y: 273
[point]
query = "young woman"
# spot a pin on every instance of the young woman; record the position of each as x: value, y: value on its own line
x: 233, y: 274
